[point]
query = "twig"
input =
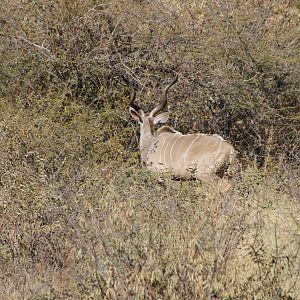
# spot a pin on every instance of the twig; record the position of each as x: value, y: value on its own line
x: 42, y: 49
x: 248, y: 80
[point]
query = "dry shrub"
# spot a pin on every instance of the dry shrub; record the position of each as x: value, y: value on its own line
x: 76, y: 226
x: 139, y: 236
x: 238, y: 62
x: 78, y: 218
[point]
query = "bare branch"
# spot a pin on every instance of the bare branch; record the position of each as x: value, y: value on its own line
x: 42, y: 49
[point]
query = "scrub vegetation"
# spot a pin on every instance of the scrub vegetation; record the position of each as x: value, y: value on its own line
x: 79, y: 217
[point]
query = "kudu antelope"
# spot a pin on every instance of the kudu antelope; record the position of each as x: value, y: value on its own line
x: 198, y: 155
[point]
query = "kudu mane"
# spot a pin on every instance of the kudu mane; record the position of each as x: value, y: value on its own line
x: 164, y: 129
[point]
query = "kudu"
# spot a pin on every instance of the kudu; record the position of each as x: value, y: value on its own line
x: 198, y: 155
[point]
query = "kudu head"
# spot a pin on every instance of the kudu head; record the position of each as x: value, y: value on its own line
x: 147, y: 122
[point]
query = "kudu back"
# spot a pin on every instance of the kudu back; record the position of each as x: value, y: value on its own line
x: 197, y: 155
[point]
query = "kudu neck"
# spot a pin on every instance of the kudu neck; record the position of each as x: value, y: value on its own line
x: 146, y: 138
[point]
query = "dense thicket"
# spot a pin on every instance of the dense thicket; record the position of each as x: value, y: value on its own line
x: 79, y: 218
x: 238, y: 62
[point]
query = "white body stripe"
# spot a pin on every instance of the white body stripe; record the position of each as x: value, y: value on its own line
x: 187, y: 150
x: 173, y: 146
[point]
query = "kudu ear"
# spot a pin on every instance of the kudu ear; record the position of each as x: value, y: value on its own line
x: 137, y: 115
x: 161, y: 118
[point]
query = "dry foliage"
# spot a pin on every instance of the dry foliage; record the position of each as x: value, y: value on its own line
x: 79, y: 219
